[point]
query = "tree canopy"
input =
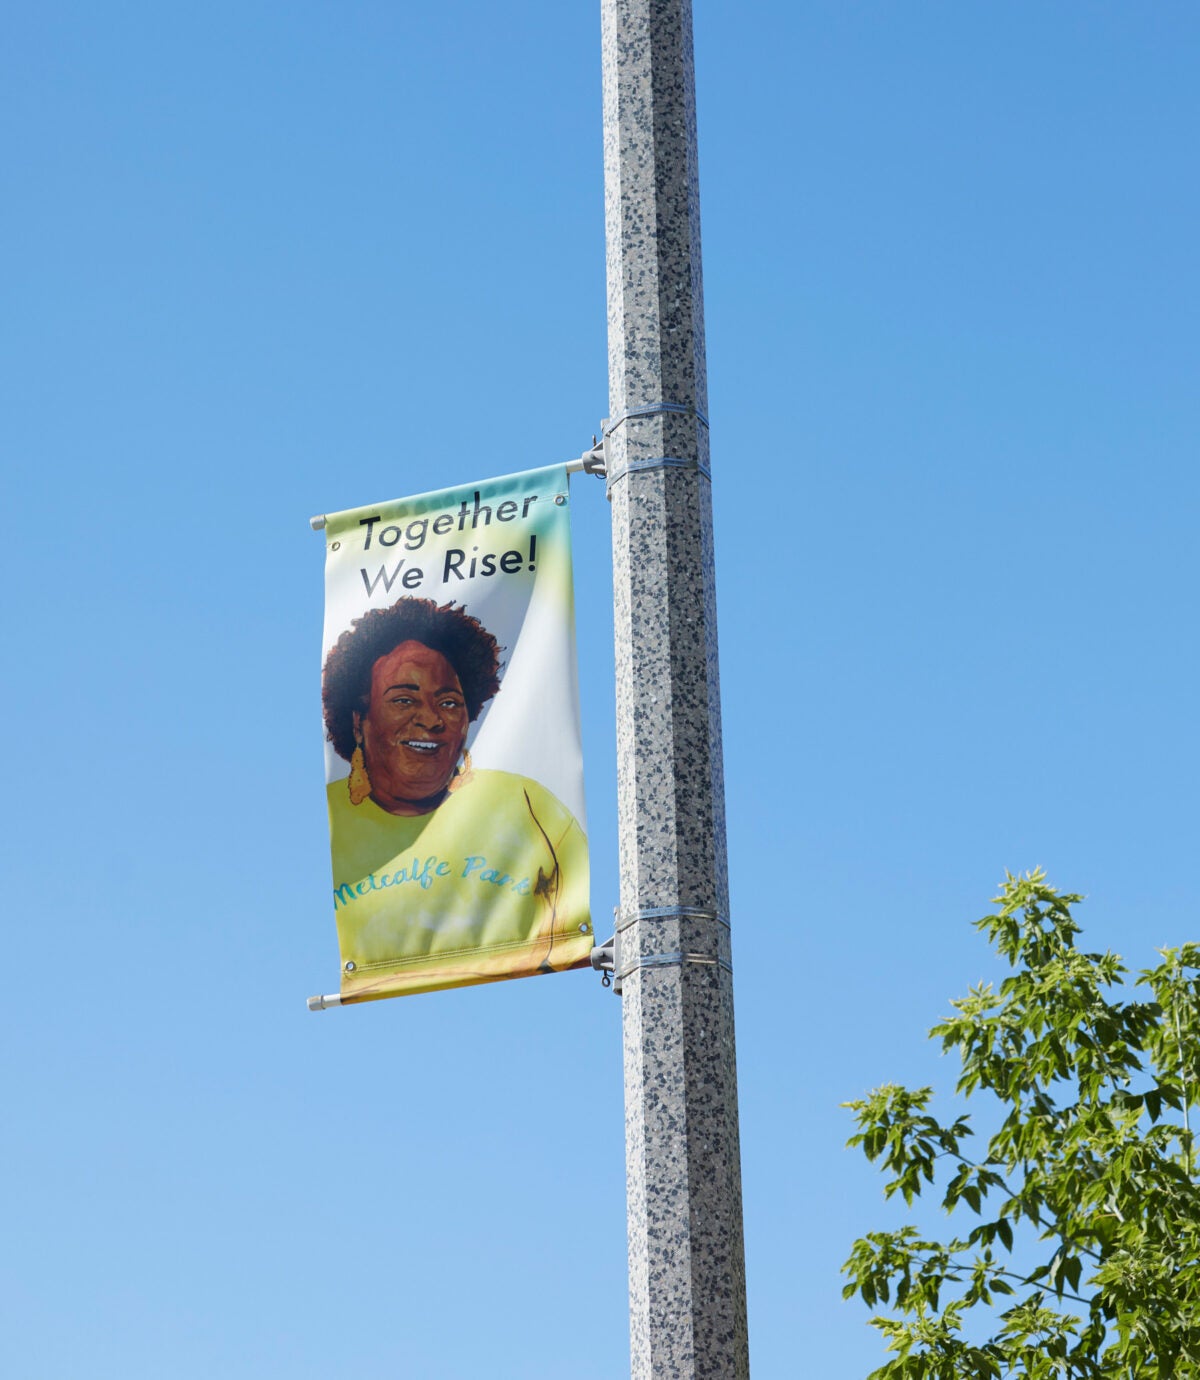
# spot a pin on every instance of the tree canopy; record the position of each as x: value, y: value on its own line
x: 1083, y: 1258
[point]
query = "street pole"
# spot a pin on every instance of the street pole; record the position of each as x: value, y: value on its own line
x: 687, y: 1285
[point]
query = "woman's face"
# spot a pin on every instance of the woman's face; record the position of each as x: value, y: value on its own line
x: 414, y: 728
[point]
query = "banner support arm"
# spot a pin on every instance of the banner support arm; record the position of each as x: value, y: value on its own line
x: 323, y: 1003
x: 590, y: 462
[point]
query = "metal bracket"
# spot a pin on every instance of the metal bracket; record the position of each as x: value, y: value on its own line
x: 592, y: 461
x: 606, y: 959
x: 603, y: 958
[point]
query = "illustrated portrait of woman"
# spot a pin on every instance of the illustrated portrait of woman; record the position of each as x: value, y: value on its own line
x: 438, y: 864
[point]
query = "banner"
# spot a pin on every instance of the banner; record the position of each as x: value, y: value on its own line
x: 453, y: 762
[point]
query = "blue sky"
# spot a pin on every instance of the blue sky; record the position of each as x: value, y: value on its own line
x: 269, y: 260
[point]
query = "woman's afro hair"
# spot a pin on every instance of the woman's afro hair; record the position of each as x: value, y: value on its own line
x: 462, y: 640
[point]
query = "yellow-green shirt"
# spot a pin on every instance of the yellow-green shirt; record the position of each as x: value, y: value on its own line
x: 491, y: 884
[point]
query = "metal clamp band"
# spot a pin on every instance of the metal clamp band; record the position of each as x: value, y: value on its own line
x: 660, y: 462
x: 655, y: 409
x: 672, y: 960
x: 671, y: 913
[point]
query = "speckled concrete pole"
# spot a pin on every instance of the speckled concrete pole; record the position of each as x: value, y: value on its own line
x: 687, y: 1284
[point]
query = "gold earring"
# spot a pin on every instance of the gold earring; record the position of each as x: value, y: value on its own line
x: 462, y: 773
x: 360, y: 782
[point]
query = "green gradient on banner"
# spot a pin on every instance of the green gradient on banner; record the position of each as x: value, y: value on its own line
x: 453, y: 761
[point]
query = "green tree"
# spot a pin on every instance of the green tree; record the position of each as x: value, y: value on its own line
x: 1084, y: 1259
